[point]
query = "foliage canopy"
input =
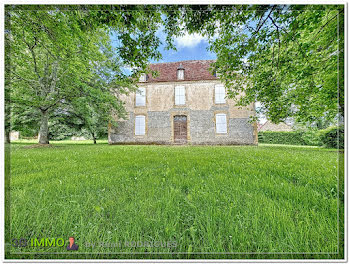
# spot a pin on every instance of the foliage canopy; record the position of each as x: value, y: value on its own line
x: 288, y: 58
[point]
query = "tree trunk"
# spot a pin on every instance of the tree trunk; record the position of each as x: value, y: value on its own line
x: 93, y: 136
x: 7, y: 137
x: 43, y: 133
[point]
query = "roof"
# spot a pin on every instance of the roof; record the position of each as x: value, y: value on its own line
x: 269, y: 126
x: 194, y: 70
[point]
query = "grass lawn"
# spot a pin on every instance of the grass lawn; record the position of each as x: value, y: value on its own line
x: 241, y: 199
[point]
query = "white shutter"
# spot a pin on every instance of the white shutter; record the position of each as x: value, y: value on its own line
x: 179, y: 95
x: 140, y: 125
x: 143, y: 77
x: 180, y: 74
x: 221, y: 123
x: 182, y: 95
x: 219, y: 94
x: 140, y: 97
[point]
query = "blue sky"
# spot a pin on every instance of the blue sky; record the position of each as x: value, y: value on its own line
x: 189, y: 47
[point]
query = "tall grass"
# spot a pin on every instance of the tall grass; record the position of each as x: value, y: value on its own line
x: 243, y: 200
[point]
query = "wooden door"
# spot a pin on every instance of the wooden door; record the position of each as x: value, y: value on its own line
x: 180, y: 129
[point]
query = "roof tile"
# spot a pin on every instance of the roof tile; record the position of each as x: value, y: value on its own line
x: 194, y: 70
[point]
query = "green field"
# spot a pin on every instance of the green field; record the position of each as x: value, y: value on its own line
x: 239, y: 199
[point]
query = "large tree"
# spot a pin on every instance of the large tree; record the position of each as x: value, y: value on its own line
x: 61, y: 53
x: 285, y: 57
x: 289, y: 58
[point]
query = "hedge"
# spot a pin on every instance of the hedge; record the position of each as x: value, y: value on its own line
x: 281, y: 137
x: 331, y: 137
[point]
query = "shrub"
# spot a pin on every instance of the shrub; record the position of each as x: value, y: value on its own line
x: 59, y: 131
x: 311, y: 137
x: 26, y: 132
x: 281, y: 137
x: 332, y: 137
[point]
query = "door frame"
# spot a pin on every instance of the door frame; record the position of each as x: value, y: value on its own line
x: 181, y: 137
x: 185, y: 113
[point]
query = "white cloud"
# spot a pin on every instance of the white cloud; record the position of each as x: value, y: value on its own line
x: 189, y: 40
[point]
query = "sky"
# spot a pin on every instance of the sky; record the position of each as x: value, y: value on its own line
x: 189, y: 47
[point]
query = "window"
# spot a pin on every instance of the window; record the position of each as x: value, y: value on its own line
x: 221, y: 123
x: 180, y: 74
x: 140, y: 125
x: 219, y: 94
x: 140, y: 97
x: 179, y: 95
x: 216, y: 74
x: 143, y: 77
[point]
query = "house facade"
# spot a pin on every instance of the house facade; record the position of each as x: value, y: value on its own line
x: 184, y: 104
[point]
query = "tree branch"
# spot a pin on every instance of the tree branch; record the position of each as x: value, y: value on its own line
x: 328, y: 21
x: 278, y: 32
x: 259, y: 26
x: 31, y: 48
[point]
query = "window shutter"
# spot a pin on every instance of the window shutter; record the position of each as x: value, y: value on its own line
x: 143, y: 77
x: 221, y: 123
x: 179, y: 95
x: 180, y: 74
x: 140, y: 97
x: 219, y: 94
x: 140, y: 125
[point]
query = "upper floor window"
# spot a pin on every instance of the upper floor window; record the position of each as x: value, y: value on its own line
x: 143, y: 77
x: 219, y: 94
x: 221, y: 123
x: 140, y: 125
x: 140, y: 97
x: 180, y: 72
x: 179, y: 95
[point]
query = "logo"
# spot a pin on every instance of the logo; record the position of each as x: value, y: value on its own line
x: 72, y: 245
x: 35, y: 242
x: 45, y: 243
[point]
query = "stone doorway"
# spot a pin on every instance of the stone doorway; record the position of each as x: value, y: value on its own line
x: 180, y: 131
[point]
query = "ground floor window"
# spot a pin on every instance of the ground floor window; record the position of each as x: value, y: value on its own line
x: 221, y: 123
x: 140, y: 125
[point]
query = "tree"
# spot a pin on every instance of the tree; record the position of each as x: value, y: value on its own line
x: 92, y: 117
x: 58, y: 53
x: 92, y: 112
x: 7, y: 84
x: 285, y: 57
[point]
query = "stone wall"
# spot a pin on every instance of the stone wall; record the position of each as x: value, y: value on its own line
x: 200, y: 110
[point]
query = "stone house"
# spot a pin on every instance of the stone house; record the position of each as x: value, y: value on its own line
x: 184, y: 104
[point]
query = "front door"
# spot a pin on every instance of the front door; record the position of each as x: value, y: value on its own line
x: 180, y: 129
